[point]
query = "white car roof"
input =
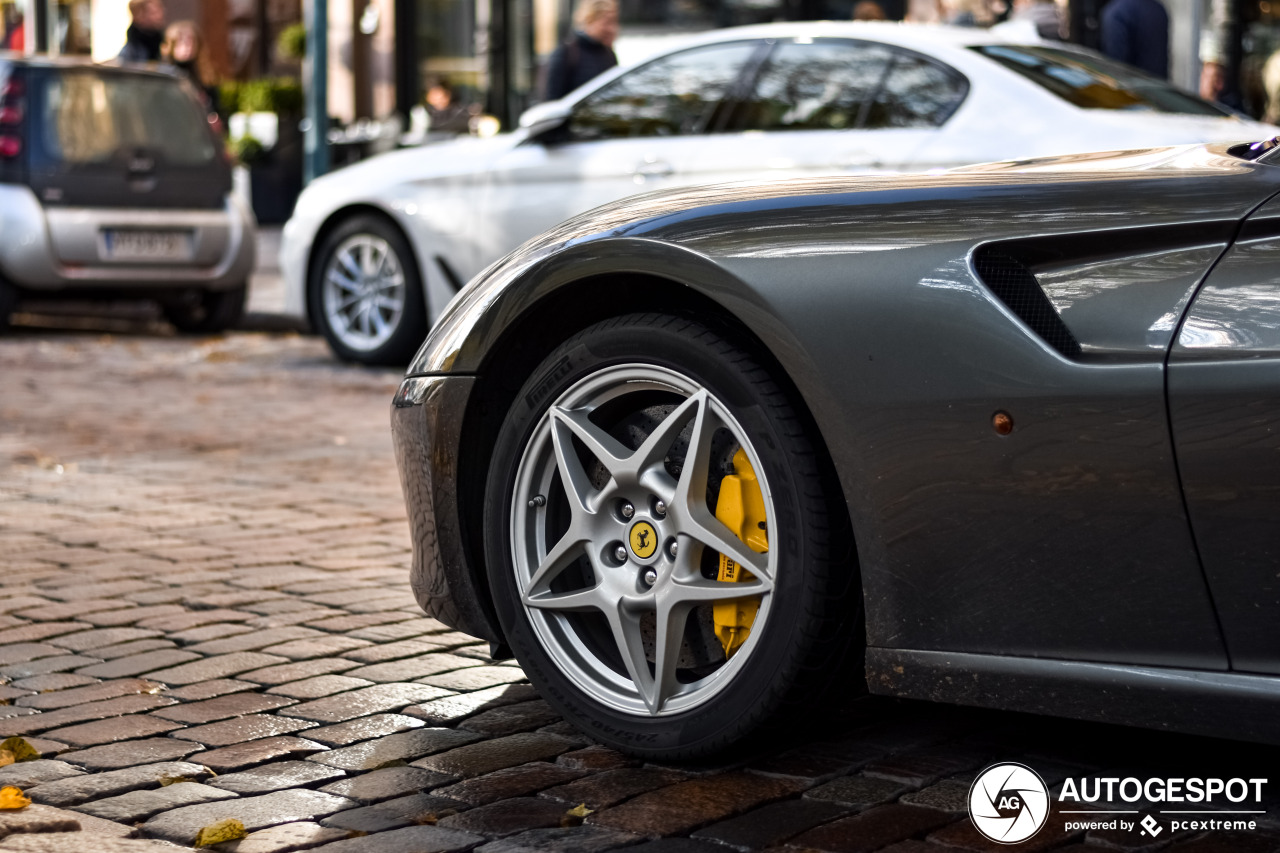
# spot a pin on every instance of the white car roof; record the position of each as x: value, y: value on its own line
x: 945, y: 42
x: 893, y: 32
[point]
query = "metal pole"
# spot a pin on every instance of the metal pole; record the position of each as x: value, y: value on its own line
x: 316, y: 140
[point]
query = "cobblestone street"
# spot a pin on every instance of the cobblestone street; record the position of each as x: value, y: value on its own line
x: 205, y: 614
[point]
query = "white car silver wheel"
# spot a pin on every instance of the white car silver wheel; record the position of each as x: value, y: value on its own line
x: 363, y: 292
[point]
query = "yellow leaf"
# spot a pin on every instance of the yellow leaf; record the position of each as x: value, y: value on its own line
x: 22, y: 751
x: 574, y: 816
x: 13, y: 798
x: 216, y: 833
x: 166, y: 781
x: 6, y: 758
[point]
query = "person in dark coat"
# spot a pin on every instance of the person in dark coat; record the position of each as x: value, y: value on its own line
x: 146, y: 31
x: 1137, y: 32
x: 185, y: 50
x: 589, y: 50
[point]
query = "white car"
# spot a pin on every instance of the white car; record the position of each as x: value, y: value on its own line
x: 375, y: 251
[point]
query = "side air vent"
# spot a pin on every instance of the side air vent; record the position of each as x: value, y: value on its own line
x: 1013, y: 283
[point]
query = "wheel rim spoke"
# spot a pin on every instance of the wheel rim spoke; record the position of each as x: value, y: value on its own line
x: 582, y: 495
x: 604, y: 447
x: 582, y: 599
x: 336, y: 277
x: 625, y: 625
x: 668, y: 637
x: 560, y: 557
x: 348, y: 260
x: 708, y: 531
x: 703, y: 591
x: 654, y: 449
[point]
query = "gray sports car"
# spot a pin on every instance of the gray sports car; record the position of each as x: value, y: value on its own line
x: 1005, y: 436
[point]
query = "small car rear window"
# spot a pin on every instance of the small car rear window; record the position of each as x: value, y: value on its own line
x: 89, y: 117
x: 1095, y: 83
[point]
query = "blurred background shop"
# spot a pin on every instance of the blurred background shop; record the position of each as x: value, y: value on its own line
x: 392, y: 65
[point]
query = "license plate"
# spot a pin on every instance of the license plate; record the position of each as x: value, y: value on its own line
x: 137, y: 245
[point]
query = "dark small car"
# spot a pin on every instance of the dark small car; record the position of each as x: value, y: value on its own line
x: 114, y: 184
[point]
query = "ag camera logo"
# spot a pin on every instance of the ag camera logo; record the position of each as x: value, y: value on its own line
x: 1008, y: 803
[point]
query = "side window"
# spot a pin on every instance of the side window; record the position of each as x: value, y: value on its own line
x: 814, y: 85
x: 917, y: 93
x: 673, y: 96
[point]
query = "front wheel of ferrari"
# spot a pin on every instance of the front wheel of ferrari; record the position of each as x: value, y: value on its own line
x: 662, y: 541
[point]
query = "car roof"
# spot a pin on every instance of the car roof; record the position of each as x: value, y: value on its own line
x: 891, y: 32
x: 82, y: 62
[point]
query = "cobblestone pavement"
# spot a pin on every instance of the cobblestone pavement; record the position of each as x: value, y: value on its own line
x: 204, y: 614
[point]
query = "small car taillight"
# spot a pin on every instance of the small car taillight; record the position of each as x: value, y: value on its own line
x: 10, y: 115
x: 10, y: 146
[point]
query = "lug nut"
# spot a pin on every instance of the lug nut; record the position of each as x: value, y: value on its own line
x: 627, y: 510
x: 650, y: 577
x: 673, y: 548
x: 620, y: 553
x: 660, y: 507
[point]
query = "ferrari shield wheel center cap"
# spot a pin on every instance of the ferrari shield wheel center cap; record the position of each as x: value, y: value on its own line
x: 643, y: 539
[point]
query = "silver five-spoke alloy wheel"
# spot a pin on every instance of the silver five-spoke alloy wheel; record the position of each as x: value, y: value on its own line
x: 608, y: 542
x: 363, y: 292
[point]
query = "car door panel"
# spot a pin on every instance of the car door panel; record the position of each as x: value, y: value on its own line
x: 1224, y: 401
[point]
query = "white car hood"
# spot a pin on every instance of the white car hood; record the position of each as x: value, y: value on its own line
x: 466, y: 156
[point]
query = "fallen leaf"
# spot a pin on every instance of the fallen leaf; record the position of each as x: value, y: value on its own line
x: 216, y: 833
x: 22, y: 751
x: 6, y: 758
x: 574, y: 816
x: 166, y: 781
x: 13, y: 798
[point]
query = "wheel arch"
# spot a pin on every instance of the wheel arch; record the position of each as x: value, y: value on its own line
x: 335, y: 219
x: 574, y: 304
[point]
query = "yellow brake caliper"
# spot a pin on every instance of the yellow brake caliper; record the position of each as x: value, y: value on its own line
x: 741, y: 508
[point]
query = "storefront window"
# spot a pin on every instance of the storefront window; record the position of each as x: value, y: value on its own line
x: 453, y: 77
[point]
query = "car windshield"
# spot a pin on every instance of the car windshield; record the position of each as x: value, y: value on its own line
x: 1095, y: 83
x: 89, y: 116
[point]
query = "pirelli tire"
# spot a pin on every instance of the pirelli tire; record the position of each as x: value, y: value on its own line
x: 628, y: 430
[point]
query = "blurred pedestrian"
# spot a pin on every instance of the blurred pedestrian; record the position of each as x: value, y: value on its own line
x: 966, y: 13
x: 1137, y: 32
x: 184, y: 49
x: 1213, y: 85
x: 145, y: 35
x: 1038, y: 18
x: 869, y: 10
x: 1271, y: 88
x: 15, y: 29
x: 445, y: 114
x: 589, y: 50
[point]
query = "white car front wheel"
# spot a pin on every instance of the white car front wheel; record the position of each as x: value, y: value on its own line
x: 366, y: 293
